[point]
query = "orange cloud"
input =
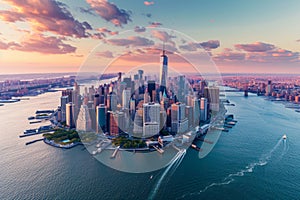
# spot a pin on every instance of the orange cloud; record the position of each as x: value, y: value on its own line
x: 148, y: 3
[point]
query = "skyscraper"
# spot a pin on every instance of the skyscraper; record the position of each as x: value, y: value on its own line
x: 84, y: 122
x: 212, y: 93
x: 151, y: 119
x: 179, y: 122
x: 101, y: 112
x: 126, y: 98
x: 203, y: 109
x: 63, y: 102
x: 196, y: 108
x: 69, y: 115
x: 163, y: 71
x: 269, y: 88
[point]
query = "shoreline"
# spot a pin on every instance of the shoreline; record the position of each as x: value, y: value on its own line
x: 68, y: 146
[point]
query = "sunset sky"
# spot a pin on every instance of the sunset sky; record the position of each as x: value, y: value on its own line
x: 241, y: 36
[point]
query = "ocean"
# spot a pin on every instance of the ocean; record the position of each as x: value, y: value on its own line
x: 251, y: 161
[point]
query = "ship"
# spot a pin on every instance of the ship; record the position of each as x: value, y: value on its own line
x: 284, y: 136
x: 28, y: 131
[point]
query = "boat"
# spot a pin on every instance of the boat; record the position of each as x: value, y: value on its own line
x: 151, y: 176
x: 28, y: 131
x: 284, y: 136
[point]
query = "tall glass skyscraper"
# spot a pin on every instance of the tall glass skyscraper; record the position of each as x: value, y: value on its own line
x: 163, y: 71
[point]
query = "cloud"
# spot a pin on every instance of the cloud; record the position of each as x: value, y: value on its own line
x: 139, y: 29
x: 45, y: 16
x: 229, y: 56
x: 298, y: 40
x: 255, y: 47
x: 191, y: 46
x: 162, y: 35
x: 105, y: 54
x: 194, y: 46
x: 110, y: 12
x: 105, y: 31
x: 87, y: 11
x: 43, y: 44
x: 154, y: 24
x: 211, y: 44
x: 131, y: 41
x: 4, y: 45
x: 260, y: 53
x: 148, y: 3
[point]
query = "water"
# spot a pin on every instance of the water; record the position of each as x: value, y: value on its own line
x: 249, y: 162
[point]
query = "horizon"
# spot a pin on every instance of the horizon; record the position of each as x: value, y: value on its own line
x: 61, y: 38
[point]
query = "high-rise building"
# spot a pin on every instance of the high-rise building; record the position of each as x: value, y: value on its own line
x: 179, y: 122
x: 69, y: 115
x: 84, y: 122
x: 196, y: 108
x: 151, y: 87
x: 112, y: 101
x: 203, y: 109
x: 151, y: 119
x: 116, y: 122
x: 163, y: 71
x: 181, y: 88
x: 96, y: 100
x: 126, y: 98
x: 151, y: 112
x: 189, y: 114
x: 212, y: 93
x: 101, y: 112
x: 63, y: 102
x: 269, y: 88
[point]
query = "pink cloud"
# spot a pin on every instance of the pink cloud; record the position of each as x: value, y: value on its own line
x: 105, y: 54
x: 45, y: 16
x: 194, y: 46
x: 131, y: 41
x: 258, y: 52
x: 44, y: 45
x: 255, y: 47
x: 154, y: 24
x: 162, y: 35
x: 229, y: 56
x: 110, y: 12
x: 148, y: 3
x: 104, y: 30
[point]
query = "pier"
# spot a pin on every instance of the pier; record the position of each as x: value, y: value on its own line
x: 115, y: 152
x: 161, y: 151
x: 33, y: 141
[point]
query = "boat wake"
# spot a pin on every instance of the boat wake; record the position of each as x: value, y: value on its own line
x: 173, y: 165
x: 248, y: 169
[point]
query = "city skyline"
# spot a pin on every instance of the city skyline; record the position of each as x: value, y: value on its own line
x: 57, y: 36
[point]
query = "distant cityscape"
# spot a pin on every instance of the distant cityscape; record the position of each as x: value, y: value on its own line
x: 139, y: 107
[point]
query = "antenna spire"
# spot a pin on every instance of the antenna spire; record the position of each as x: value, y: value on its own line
x: 164, y: 52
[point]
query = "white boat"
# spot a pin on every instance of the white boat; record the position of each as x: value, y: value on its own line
x: 284, y: 136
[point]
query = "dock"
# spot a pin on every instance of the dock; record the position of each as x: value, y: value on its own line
x: 31, y: 142
x: 115, y: 152
x: 207, y: 141
x: 161, y: 151
x: 37, y: 133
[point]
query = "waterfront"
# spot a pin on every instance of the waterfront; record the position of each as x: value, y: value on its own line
x: 39, y: 171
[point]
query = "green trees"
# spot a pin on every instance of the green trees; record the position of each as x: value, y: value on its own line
x: 60, y: 134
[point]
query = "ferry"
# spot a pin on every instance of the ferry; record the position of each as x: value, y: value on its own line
x: 28, y: 131
x: 284, y: 136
